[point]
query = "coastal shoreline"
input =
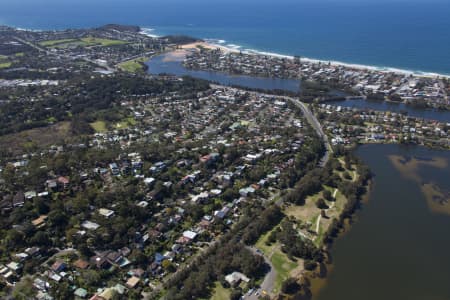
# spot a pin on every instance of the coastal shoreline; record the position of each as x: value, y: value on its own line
x: 335, y: 63
x: 220, y: 43
x: 233, y: 48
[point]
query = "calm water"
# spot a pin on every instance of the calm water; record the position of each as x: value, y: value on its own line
x: 407, y: 34
x: 158, y: 65
x: 431, y: 114
x: 397, y: 249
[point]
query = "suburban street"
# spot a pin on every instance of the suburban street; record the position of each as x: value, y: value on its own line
x: 269, y: 280
x: 312, y: 120
x: 41, y: 49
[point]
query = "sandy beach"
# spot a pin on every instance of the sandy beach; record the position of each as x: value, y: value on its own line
x: 207, y: 45
x: 316, y: 61
x: 225, y: 49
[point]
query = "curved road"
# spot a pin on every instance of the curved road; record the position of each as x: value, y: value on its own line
x: 268, y: 284
x: 269, y: 281
x: 312, y: 120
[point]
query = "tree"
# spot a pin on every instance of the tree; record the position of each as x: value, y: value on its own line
x: 310, y: 265
x: 57, y: 218
x: 321, y: 204
x: 40, y: 206
x: 14, y: 239
x: 24, y: 289
x: 167, y: 265
x: 61, y: 291
x: 235, y: 294
x: 347, y: 176
x: 290, y: 286
x: 41, y: 239
x: 138, y: 257
x: 91, y: 277
x: 327, y: 195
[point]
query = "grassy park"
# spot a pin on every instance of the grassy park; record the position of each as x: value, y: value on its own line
x: 99, y: 126
x: 134, y: 65
x: 83, y: 42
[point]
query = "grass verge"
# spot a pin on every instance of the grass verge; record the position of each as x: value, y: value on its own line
x: 220, y: 293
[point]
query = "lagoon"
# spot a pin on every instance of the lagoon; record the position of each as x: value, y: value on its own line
x: 428, y: 113
x: 172, y: 64
x: 398, y: 247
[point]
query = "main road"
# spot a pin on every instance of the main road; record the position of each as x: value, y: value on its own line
x: 312, y: 120
x: 269, y: 280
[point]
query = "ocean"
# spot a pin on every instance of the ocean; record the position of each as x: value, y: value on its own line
x: 410, y: 35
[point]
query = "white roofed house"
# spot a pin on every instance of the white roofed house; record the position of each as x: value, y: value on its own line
x: 90, y: 225
x: 252, y: 158
x: 215, y: 192
x: 244, y: 192
x: 200, y: 197
x: 30, y: 195
x: 107, y: 213
x: 149, y: 181
x: 280, y: 103
x: 235, y: 278
x: 191, y: 235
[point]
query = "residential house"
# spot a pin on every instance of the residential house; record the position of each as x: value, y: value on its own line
x: 40, y: 221
x: 19, y: 199
x: 107, y: 213
x: 58, y: 266
x: 132, y: 282
x: 235, y: 278
x: 80, y: 293
x: 63, y: 181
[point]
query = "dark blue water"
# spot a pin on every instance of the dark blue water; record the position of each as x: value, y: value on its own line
x: 158, y: 65
x: 412, y: 35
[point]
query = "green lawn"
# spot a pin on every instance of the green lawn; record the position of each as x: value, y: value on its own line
x: 99, y: 126
x: 284, y: 266
x: 4, y: 65
x: 261, y: 243
x: 125, y: 123
x: 51, y: 43
x: 220, y: 293
x: 281, y: 263
x: 134, y: 65
x: 91, y: 41
x: 51, y: 120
